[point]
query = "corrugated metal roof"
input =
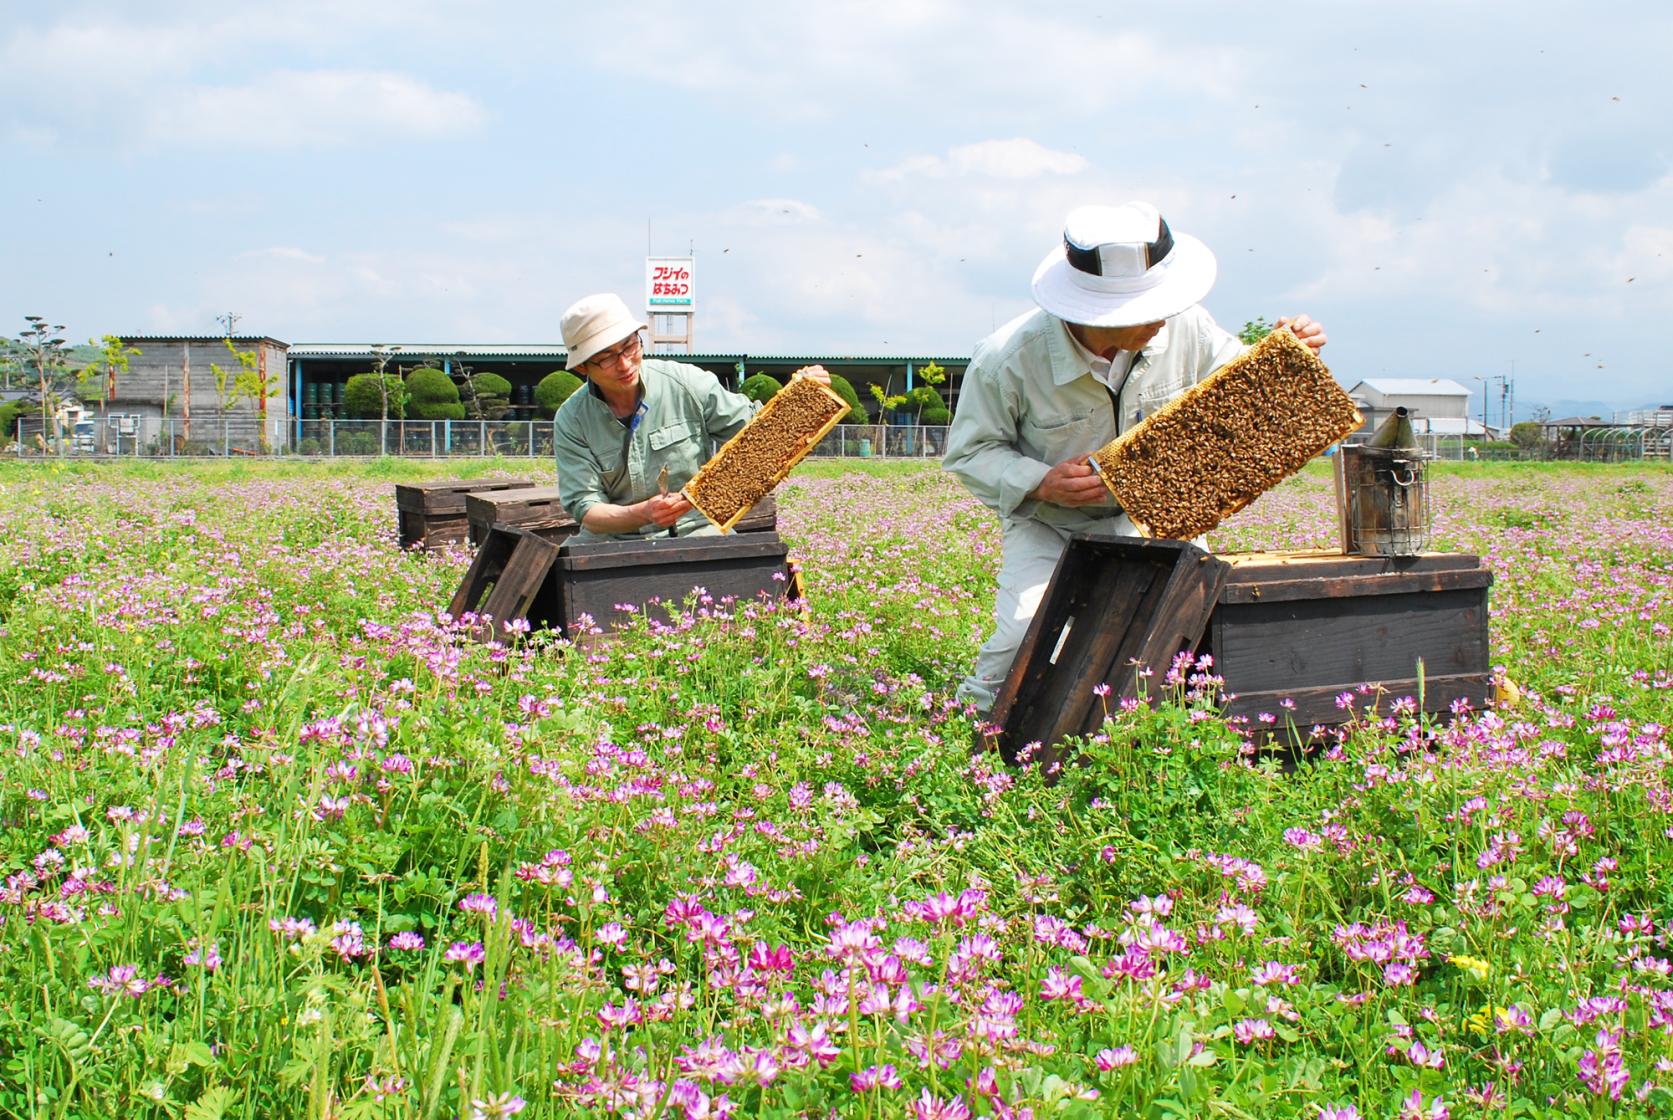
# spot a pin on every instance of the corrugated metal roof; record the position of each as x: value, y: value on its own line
x: 1415, y: 386
x: 537, y: 350
x: 200, y: 338
x: 437, y: 349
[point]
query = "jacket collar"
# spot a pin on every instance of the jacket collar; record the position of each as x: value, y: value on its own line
x: 1068, y: 360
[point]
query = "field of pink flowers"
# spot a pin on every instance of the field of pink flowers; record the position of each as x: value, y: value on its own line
x: 279, y: 839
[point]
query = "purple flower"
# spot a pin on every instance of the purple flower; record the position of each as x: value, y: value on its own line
x: 1115, y: 1058
x: 468, y: 953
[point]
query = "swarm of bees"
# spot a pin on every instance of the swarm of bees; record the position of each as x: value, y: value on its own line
x: 1227, y: 440
x: 755, y: 460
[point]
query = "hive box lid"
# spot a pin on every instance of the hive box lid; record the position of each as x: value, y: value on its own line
x: 586, y: 556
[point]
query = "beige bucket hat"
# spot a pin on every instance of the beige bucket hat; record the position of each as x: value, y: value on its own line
x: 595, y: 323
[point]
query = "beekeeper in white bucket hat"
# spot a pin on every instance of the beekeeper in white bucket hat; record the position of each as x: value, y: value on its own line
x: 1118, y: 332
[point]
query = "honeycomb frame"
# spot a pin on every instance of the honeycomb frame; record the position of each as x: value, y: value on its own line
x: 1227, y: 440
x: 764, y: 451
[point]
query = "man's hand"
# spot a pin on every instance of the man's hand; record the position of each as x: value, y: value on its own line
x: 1305, y: 329
x: 813, y: 373
x: 664, y: 509
x: 1073, y: 483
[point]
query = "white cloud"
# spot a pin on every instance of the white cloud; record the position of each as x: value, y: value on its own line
x: 290, y: 108
x: 1018, y: 158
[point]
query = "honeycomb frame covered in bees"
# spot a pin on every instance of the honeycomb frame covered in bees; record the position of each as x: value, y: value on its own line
x: 1227, y: 440
x: 751, y: 463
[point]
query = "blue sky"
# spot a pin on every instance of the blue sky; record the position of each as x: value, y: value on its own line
x: 1449, y: 187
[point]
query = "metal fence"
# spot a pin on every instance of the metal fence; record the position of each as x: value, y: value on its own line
x: 133, y: 436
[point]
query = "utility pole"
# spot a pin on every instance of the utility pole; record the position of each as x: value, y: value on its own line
x: 231, y: 320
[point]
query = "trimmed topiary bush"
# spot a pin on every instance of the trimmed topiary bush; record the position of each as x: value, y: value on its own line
x: 434, y: 396
x: 759, y: 387
x: 493, y: 396
x: 936, y: 416
x: 555, y: 388
x: 844, y: 388
x: 363, y: 401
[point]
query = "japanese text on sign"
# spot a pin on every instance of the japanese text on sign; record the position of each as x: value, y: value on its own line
x: 670, y: 284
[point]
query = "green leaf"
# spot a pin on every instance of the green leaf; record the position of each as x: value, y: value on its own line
x: 213, y: 1104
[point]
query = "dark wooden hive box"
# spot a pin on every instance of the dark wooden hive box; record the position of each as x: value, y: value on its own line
x: 534, y: 509
x: 596, y: 578
x: 1297, y: 626
x: 432, y: 513
x: 1308, y: 626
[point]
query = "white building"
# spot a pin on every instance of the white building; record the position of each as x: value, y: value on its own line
x: 1439, y: 405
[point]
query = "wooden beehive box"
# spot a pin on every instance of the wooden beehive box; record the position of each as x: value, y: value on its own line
x: 1112, y: 602
x: 1299, y: 626
x: 597, y: 579
x: 1308, y: 626
x: 536, y: 508
x: 432, y: 513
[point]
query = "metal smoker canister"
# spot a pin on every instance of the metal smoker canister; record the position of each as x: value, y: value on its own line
x: 1381, y: 492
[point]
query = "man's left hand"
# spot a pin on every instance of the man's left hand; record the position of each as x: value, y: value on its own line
x: 1307, y: 330
x: 813, y: 373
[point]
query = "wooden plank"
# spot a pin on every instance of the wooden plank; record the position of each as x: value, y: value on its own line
x: 669, y: 576
x: 515, y: 591
x: 762, y: 517
x: 1350, y: 586
x: 524, y: 508
x: 1342, y: 642
x: 1322, y: 564
x: 595, y: 555
x: 485, y: 568
x: 447, y: 495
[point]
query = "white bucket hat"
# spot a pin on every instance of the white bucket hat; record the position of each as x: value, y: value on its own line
x: 595, y: 323
x: 1120, y: 266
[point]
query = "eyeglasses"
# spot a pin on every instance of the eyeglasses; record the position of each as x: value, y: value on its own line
x: 604, y: 359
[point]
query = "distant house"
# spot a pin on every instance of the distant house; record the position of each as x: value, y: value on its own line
x: 1439, y: 405
x: 154, y: 386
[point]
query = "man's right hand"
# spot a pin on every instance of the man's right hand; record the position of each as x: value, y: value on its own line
x: 1073, y: 483
x: 662, y: 510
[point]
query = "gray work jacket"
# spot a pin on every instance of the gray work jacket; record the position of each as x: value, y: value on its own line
x: 1029, y: 402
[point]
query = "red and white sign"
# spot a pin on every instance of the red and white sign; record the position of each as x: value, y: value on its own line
x: 670, y: 284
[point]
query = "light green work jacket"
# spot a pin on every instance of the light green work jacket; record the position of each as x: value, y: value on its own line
x: 1029, y: 401
x: 684, y: 416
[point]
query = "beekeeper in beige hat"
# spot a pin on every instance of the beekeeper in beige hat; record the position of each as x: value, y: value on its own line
x: 1118, y: 332
x: 640, y: 428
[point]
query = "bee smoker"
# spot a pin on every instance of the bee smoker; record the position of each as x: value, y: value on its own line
x: 1382, y: 496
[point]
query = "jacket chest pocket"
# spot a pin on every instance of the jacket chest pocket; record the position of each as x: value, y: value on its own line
x: 671, y: 434
x: 1063, y: 435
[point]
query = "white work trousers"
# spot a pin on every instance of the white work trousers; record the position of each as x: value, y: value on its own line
x: 1031, y: 551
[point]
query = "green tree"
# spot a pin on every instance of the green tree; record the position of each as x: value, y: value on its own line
x: 486, y: 396
x: 365, y: 399
x: 111, y: 364
x: 844, y: 388
x: 42, y: 349
x: 1254, y: 330
x: 432, y: 395
x: 1527, y: 434
x: 938, y: 416
x: 246, y: 383
x: 759, y: 387
x: 555, y: 388
x: 8, y: 420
